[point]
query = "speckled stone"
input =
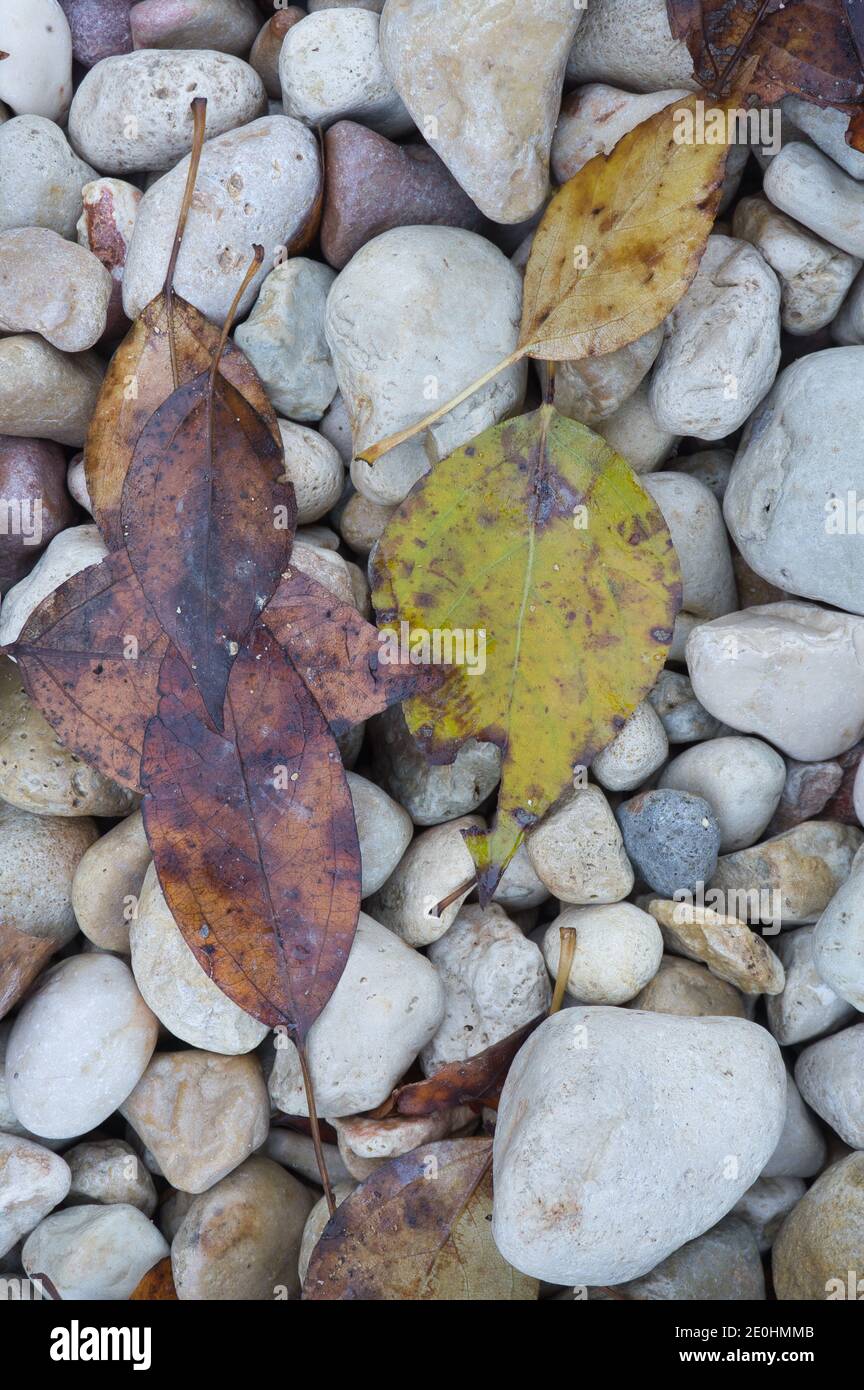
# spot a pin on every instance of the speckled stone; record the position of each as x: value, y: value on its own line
x: 672, y: 838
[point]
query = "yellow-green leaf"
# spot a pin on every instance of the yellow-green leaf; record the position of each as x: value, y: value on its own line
x: 540, y: 537
x: 621, y: 241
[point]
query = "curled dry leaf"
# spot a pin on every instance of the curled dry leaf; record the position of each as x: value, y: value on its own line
x: 418, y: 1229
x: 90, y: 655
x: 459, y: 1083
x: 157, y: 1286
x: 574, y: 585
x: 253, y: 835
x: 22, y: 957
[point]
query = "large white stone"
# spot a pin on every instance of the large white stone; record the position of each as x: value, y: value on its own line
x: 578, y: 853
x: 36, y: 70
x: 827, y: 129
x: 283, y: 338
x: 814, y: 276
x: 41, y: 176
x: 94, y: 1253
x: 618, y: 950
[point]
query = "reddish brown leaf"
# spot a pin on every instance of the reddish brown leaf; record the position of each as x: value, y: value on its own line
x: 253, y: 835
x: 855, y: 131
x: 89, y: 656
x: 337, y: 654
x: 419, y: 1228
x: 854, y: 10
x: 459, y: 1083
x: 22, y: 958
x: 157, y: 1286
x: 208, y: 517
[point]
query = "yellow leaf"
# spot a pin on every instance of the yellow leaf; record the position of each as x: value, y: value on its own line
x: 621, y: 241
x: 537, y: 545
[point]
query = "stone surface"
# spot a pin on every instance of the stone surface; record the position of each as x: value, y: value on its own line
x: 362, y: 522
x: 262, y: 182
x: 227, y: 25
x: 682, y: 987
x: 70, y: 551
x: 632, y: 432
x: 594, y: 118
x: 682, y: 716
x: 468, y: 297
x: 36, y: 74
x: 791, y: 878
x: 388, y: 1004
x: 316, y: 1221
x: 766, y: 1205
x: 44, y: 392
x: 53, y: 287
x: 814, y: 276
x: 491, y: 121
x: 723, y: 1264
x: 431, y: 793
x: 635, y: 753
x: 32, y: 1182
x: 820, y: 1241
x: 672, y: 839
x: 384, y: 830
x: 838, y: 939
x: 801, y: 1149
x: 709, y: 466
x: 32, y: 483
x: 604, y: 50
x: 94, y: 1253
x: 314, y: 468
x: 331, y: 69
x: 78, y: 1046
x: 578, y: 853
x: 740, y: 778
x: 520, y: 889
x: 435, y: 864
x: 830, y: 1077
x: 105, y: 228
x: 728, y: 947
x: 596, y: 1092
x: 108, y: 1171
x: 200, y: 1114
x: 107, y: 884
x: 99, y: 28
x: 283, y: 338
x: 41, y: 176
x: 807, y: 1007
x: 594, y: 388
x: 264, y: 53
x: 811, y: 188
x: 297, y: 1152
x: 695, y: 521
x: 618, y: 950
x: 827, y: 129
x: 39, y: 856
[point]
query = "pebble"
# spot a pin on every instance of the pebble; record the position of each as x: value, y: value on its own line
x: 324, y: 566
x: 790, y: 672
x: 388, y: 1004
x: 578, y: 853
x: 53, y: 287
x: 200, y: 1114
x: 315, y: 469
x: 821, y: 1239
x: 709, y: 466
x: 41, y: 176
x: 520, y: 889
x: 36, y: 72
x: 791, y: 503
x: 595, y: 117
x: 32, y: 471
x: 593, y: 388
x: 682, y: 716
x: 604, y: 50
x: 94, y: 1253
x: 804, y: 183
x: 283, y: 338
x: 829, y: 1076
x: 635, y: 753
x: 632, y: 432
x: 690, y: 1109
x: 384, y: 829
x: 362, y: 523
x: 721, y: 1265
x: 469, y: 296
x: 435, y: 864
x: 838, y: 940
x: 494, y: 981
x: 491, y: 122
x: 722, y: 347
x: 78, y: 1046
x: 728, y: 947
x: 107, y: 884
x: 807, y: 1007
x: 316, y: 1222
x: 672, y: 839
x: 766, y: 1205
x: 99, y: 28
x: 801, y: 1150
x: 32, y: 1182
x: 38, y: 860
x: 814, y: 276
x: 682, y: 987
x: 331, y: 69
x: 740, y: 778
x: 262, y: 183
x: 105, y: 228
x: 431, y: 793
x: 695, y: 521
x: 181, y: 994
x: 827, y: 129
x: 108, y: 1171
x: 618, y: 951
x: 365, y: 1143
x: 794, y: 875
x: 264, y: 53
x: 297, y: 1151
x: 227, y: 25
x: 241, y: 1239
x: 807, y: 790
x: 44, y: 392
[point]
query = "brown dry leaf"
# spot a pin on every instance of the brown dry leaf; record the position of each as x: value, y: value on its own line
x: 459, y: 1083
x: 621, y: 241
x: 157, y: 1286
x: 89, y: 656
x: 22, y: 958
x: 418, y: 1229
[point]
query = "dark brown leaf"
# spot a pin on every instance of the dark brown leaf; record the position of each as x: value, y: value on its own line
x: 854, y: 10
x: 157, y: 1286
x: 459, y: 1083
x: 22, y: 958
x: 253, y: 835
x: 89, y: 656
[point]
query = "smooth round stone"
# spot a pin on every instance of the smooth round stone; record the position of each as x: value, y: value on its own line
x: 384, y: 830
x: 827, y: 129
x: 789, y: 672
x: 791, y: 878
x: 672, y: 839
x: 604, y: 49
x: 180, y: 993
x: 39, y: 774
x: 53, y: 287
x: 44, y: 392
x: 32, y: 1182
x: 336, y: 427
x: 262, y: 183
x: 264, y: 53
x: 108, y: 1171
x: 494, y: 982
x: 99, y: 28
x: 766, y: 1205
x: 682, y: 716
x: 227, y: 25
x: 36, y: 71
x: 688, y: 1108
x: 820, y: 1241
x: 578, y: 853
x: 721, y: 1265
x: 362, y: 523
x: 830, y: 1077
x: 709, y: 466
x: 107, y: 884
x: 520, y: 889
x: 618, y: 950
x: 94, y: 1253
x: 807, y: 1007
x: 435, y: 865
x: 372, y: 185
x: 330, y: 69
x: 283, y: 338
x: 803, y: 182
x: 431, y: 794
x: 801, y: 1149
x: 200, y: 1114
x: 70, y: 551
x: 838, y: 939
x: 39, y: 856
x: 632, y: 432
x: 78, y: 1046
x: 740, y: 778
x: 241, y: 1240
x: 695, y: 522
x: 32, y: 471
x: 593, y: 388
x: 41, y: 176
x: 688, y: 989
x: 131, y: 113
x: 595, y: 117
x: 791, y: 504
x: 297, y: 1152
x: 314, y: 468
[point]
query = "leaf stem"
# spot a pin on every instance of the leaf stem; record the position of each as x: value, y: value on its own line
x: 464, y: 887
x: 313, y: 1122
x: 549, y: 390
x: 199, y: 116
x: 374, y: 452
x: 251, y: 271
x: 567, y: 950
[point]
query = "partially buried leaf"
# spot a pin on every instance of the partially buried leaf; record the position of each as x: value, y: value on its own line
x: 253, y: 835
x: 208, y: 517
x: 620, y: 241
x: 538, y: 541
x: 157, y: 1284
x: 22, y: 958
x: 90, y: 655
x: 459, y: 1083
x: 418, y: 1229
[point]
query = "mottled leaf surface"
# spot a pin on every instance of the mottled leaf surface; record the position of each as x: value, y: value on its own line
x: 460, y: 1083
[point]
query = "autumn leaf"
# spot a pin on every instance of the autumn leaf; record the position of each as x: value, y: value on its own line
x: 418, y: 1229
x: 459, y: 1083
x: 22, y: 957
x: 157, y: 1286
x: 854, y: 10
x: 540, y: 537
x: 89, y: 656
x: 253, y: 835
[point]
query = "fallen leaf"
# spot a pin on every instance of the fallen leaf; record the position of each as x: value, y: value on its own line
x: 89, y: 656
x: 854, y: 10
x: 459, y: 1083
x: 157, y: 1286
x: 539, y: 537
x: 253, y: 835
x: 418, y: 1229
x: 22, y: 958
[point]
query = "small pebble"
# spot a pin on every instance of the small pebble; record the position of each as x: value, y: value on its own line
x: 672, y: 838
